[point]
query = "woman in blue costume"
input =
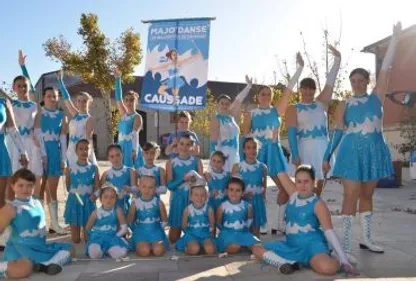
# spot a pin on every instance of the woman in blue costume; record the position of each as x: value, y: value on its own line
x: 174, y: 81
x: 198, y: 222
x: 81, y: 124
x: 217, y: 180
x: 82, y: 181
x: 122, y: 177
x: 363, y: 156
x: 234, y: 218
x: 102, y: 226
x: 263, y: 123
x: 307, y: 122
x: 27, y: 220
x: 50, y: 130
x: 129, y: 126
x: 151, y: 152
x: 148, y: 218
x: 254, y: 175
x: 225, y: 132
x: 305, y: 243
x: 177, y: 174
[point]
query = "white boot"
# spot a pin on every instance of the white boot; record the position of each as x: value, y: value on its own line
x: 53, y: 212
x: 347, y: 233
x: 4, y: 237
x: 366, y: 237
x: 281, y: 225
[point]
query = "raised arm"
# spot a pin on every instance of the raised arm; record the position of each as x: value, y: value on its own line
x: 172, y: 183
x: 326, y: 96
x: 65, y: 94
x: 118, y: 92
x: 238, y: 101
x: 382, y: 82
x: 283, y: 102
x: 246, y: 126
x: 292, y: 134
x: 5, y: 96
x: 11, y: 130
x: 137, y: 126
x: 22, y: 61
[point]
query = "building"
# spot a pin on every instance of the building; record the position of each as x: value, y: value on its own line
x: 402, y: 79
x: 155, y: 124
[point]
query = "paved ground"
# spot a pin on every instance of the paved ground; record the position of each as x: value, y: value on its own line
x: 394, y: 227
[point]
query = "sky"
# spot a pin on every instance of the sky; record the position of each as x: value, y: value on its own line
x: 251, y: 37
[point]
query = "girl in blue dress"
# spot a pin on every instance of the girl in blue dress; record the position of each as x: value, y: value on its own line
x: 254, y: 175
x: 151, y: 152
x: 51, y: 129
x: 363, y: 156
x: 129, y: 126
x: 217, y: 180
x: 81, y: 124
x: 122, y: 177
x: 305, y: 242
x: 234, y: 218
x: 307, y: 122
x: 198, y: 222
x: 177, y: 169
x: 148, y: 218
x: 27, y: 221
x: 82, y: 181
x: 263, y: 123
x: 102, y: 226
x: 225, y: 132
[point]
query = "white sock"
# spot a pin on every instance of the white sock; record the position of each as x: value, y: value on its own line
x: 117, y: 252
x: 60, y: 258
x: 95, y: 252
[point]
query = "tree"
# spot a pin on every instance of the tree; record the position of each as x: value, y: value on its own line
x: 97, y: 59
x: 202, y: 118
x: 407, y: 132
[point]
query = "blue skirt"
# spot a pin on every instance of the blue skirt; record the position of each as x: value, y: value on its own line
x: 139, y: 159
x: 179, y: 201
x: 215, y: 203
x: 53, y: 155
x: 259, y: 210
x: 297, y: 253
x: 76, y: 214
x: 148, y: 233
x: 36, y: 250
x: 5, y: 163
x: 271, y: 154
x: 198, y: 237
x: 363, y: 158
x: 228, y: 237
x: 105, y: 241
x: 124, y: 204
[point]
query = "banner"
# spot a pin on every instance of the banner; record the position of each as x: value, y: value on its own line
x: 176, y: 65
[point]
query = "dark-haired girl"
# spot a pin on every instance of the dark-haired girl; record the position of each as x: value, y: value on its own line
x: 225, y: 131
x: 363, y: 156
x: 50, y: 131
x: 129, y: 125
x: 305, y: 243
x: 307, y: 122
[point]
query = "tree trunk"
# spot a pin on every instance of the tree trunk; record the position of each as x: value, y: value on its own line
x: 108, y: 118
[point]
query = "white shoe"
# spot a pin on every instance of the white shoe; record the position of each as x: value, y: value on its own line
x: 53, y: 212
x: 366, y: 237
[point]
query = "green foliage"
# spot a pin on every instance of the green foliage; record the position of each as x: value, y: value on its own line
x: 407, y: 132
x: 201, y: 119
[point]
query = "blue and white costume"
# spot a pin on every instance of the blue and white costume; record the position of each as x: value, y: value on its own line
x: 198, y: 227
x: 265, y: 124
x: 180, y: 198
x: 104, y: 231
x: 25, y: 113
x: 147, y: 227
x: 312, y: 135
x: 217, y: 182
x: 28, y: 234
x: 121, y: 177
x: 5, y: 162
x: 78, y: 131
x: 228, y: 140
x: 178, y: 134
x: 51, y: 122
x: 304, y: 238
x: 154, y: 171
x: 235, y: 226
x: 174, y: 81
x: 82, y: 178
x: 252, y: 175
x: 125, y: 140
x: 363, y: 154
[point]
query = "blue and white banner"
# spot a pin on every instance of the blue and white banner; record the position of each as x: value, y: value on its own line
x: 176, y: 65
